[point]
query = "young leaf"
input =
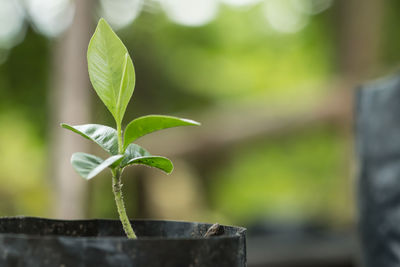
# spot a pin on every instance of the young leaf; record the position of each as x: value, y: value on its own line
x: 158, y: 162
x: 111, y: 70
x: 151, y: 123
x: 104, y: 136
x: 134, y: 151
x: 88, y: 166
x: 135, y: 154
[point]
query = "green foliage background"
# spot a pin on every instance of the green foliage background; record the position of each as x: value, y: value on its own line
x: 234, y: 59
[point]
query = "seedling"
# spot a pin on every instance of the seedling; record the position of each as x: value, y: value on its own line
x: 112, y: 75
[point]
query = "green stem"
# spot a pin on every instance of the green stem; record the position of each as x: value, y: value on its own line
x: 117, y: 189
x: 120, y: 144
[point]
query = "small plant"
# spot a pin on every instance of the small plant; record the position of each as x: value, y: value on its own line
x: 112, y: 75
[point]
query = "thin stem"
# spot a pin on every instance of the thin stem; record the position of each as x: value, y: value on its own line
x: 120, y: 144
x: 117, y: 189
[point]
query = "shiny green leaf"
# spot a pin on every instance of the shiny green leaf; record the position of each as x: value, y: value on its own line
x: 134, y: 151
x: 111, y: 70
x: 158, y: 162
x: 135, y: 154
x: 151, y: 123
x: 104, y: 136
x: 88, y: 166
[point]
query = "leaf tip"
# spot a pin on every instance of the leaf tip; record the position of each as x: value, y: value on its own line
x: 90, y: 176
x: 196, y: 123
x: 65, y: 126
x: 170, y: 169
x: 103, y: 23
x: 192, y: 122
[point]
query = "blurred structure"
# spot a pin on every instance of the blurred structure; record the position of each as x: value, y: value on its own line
x: 377, y: 148
x: 70, y: 102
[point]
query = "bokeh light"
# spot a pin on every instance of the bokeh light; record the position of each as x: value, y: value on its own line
x: 51, y: 17
x: 190, y: 12
x: 12, y: 27
x: 240, y: 3
x: 120, y: 13
x: 312, y: 7
x: 285, y: 16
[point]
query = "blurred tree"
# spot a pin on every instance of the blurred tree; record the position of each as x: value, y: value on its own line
x: 70, y: 103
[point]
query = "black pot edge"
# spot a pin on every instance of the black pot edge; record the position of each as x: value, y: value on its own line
x: 240, y: 233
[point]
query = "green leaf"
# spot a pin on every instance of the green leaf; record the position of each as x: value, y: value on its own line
x: 111, y: 70
x: 151, y: 123
x: 88, y: 166
x: 135, y: 154
x: 104, y: 136
x: 158, y: 162
x: 134, y: 151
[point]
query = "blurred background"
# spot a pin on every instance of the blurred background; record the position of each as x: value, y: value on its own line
x: 271, y: 81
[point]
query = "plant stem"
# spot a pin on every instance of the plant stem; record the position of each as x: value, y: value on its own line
x: 117, y: 189
x: 120, y: 144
